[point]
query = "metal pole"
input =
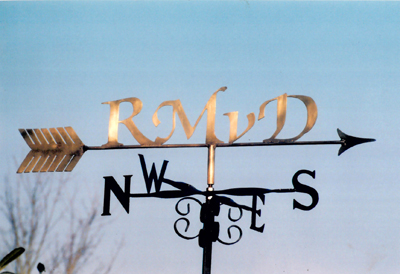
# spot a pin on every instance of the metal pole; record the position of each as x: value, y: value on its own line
x: 207, y: 252
x: 207, y: 249
x: 211, y: 166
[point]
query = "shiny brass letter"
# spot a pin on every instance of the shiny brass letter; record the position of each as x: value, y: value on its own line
x: 312, y: 114
x: 177, y: 108
x: 233, y: 119
x: 128, y: 122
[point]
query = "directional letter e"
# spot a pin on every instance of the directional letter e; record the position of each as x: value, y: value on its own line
x: 123, y: 197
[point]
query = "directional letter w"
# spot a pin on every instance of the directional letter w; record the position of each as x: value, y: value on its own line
x: 148, y: 179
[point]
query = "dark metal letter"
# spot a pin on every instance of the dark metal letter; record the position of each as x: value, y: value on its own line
x: 256, y: 212
x: 148, y: 179
x: 123, y: 197
x: 304, y: 189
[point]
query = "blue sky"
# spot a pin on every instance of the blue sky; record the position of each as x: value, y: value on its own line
x: 60, y: 60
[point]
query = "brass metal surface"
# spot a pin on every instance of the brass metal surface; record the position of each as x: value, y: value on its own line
x: 51, y: 150
x: 233, y: 120
x: 210, y: 107
x: 211, y: 165
x: 312, y: 113
x: 59, y: 149
x: 128, y: 122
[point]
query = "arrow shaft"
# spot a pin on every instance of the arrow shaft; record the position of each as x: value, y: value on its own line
x: 279, y: 143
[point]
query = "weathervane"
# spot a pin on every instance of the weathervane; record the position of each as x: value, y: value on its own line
x: 60, y: 149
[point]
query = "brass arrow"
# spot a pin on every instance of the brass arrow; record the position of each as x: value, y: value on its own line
x: 60, y: 149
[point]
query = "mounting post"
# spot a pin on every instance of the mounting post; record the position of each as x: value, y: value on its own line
x: 207, y: 248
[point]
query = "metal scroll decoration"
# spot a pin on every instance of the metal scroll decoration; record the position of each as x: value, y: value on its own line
x: 211, y: 229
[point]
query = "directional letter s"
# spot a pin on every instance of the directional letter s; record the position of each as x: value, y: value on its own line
x: 304, y: 189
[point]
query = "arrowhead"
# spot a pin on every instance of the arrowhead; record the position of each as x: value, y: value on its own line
x: 351, y: 141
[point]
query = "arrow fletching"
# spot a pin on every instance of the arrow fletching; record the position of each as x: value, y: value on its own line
x: 54, y: 149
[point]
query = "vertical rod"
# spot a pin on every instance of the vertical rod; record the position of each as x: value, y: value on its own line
x: 211, y: 165
x: 207, y: 249
x: 207, y: 252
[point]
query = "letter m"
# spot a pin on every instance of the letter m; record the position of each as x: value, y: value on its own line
x: 149, y: 178
x: 110, y: 185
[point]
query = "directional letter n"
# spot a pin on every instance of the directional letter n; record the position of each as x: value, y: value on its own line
x: 123, y: 197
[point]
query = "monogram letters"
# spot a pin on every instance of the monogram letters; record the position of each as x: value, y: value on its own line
x: 210, y: 107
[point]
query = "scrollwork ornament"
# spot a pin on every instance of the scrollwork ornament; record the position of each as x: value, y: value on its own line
x: 188, y: 205
x: 184, y: 219
x: 186, y: 229
x: 230, y: 235
x: 232, y: 219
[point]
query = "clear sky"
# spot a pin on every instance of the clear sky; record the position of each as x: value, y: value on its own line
x: 60, y: 60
